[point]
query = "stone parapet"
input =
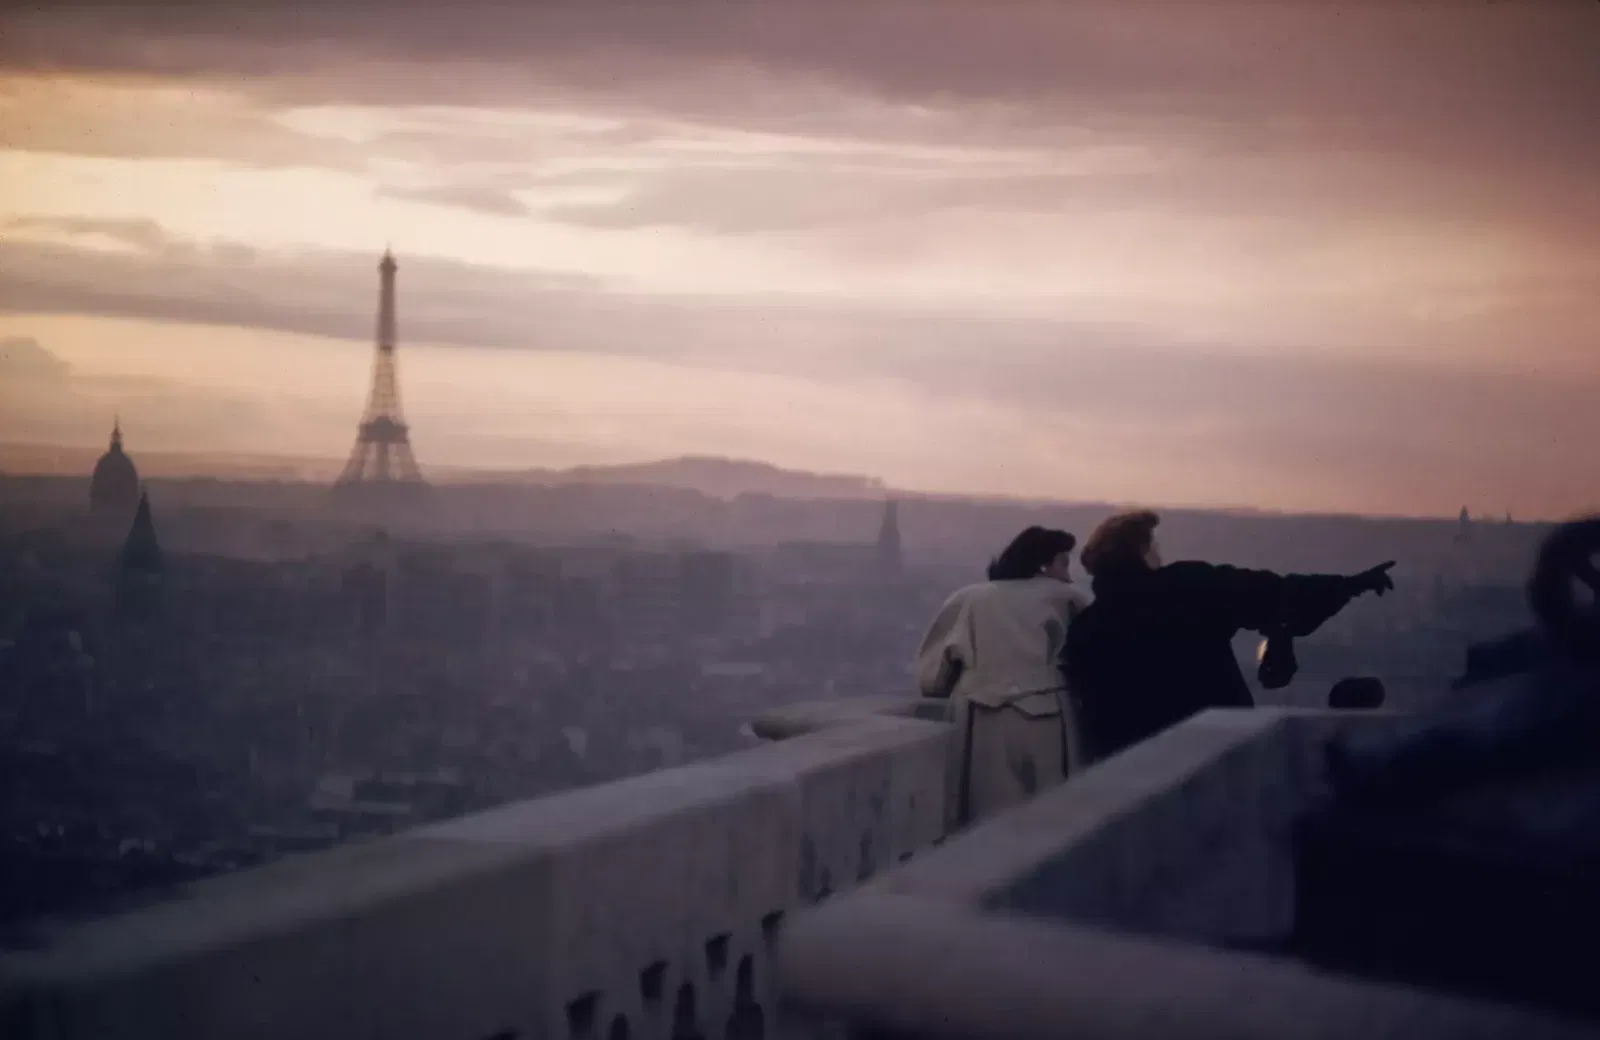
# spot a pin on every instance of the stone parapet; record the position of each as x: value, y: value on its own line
x: 799, y: 719
x: 1136, y: 900
x: 641, y: 908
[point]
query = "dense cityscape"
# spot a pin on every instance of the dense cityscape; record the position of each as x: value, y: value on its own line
x: 170, y: 714
x: 200, y: 676
x: 204, y: 676
x: 175, y: 708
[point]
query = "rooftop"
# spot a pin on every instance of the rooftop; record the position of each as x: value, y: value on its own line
x: 660, y: 906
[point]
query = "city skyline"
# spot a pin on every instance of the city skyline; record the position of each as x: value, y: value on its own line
x: 1288, y: 259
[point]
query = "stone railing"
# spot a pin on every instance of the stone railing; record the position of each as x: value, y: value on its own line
x: 642, y: 908
x: 810, y: 716
x: 1143, y: 898
x: 1114, y: 906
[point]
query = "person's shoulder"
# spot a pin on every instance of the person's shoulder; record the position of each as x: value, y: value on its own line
x: 1190, y: 567
x: 968, y: 593
x: 1189, y: 570
x: 1194, y: 577
x: 1073, y: 596
x: 1052, y: 590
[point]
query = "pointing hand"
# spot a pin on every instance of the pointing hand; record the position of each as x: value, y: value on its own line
x: 1376, y: 580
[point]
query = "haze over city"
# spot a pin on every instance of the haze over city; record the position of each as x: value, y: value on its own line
x: 514, y: 517
x: 1297, y: 256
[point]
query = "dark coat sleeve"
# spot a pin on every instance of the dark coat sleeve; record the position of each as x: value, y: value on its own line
x: 1261, y: 601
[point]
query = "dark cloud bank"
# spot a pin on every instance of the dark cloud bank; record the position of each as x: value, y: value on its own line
x: 1453, y: 108
x: 1458, y: 75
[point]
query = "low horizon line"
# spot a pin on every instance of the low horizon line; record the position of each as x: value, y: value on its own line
x: 887, y: 490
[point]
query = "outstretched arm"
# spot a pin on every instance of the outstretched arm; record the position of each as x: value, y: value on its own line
x: 1298, y: 604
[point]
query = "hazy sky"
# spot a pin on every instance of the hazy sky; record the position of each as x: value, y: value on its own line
x: 1309, y: 255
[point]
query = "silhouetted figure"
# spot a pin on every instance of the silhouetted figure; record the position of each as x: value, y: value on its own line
x: 1460, y: 848
x: 992, y: 650
x: 1529, y: 701
x: 1156, y: 645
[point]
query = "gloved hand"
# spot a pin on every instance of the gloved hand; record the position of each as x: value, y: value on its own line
x: 1278, y: 664
x: 1375, y: 580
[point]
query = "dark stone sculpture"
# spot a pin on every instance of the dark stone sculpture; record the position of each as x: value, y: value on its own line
x: 1361, y: 693
x: 1529, y: 701
x: 1459, y: 849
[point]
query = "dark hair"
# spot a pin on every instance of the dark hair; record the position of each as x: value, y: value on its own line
x: 1029, y: 553
x: 1120, y: 541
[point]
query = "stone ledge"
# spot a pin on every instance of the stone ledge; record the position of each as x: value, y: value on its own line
x: 810, y: 716
x: 907, y: 966
x: 987, y: 858
x: 620, y: 903
x: 1101, y: 909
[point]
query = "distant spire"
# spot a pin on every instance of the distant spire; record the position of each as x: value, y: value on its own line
x: 141, y: 551
x: 889, y: 557
x: 116, y: 432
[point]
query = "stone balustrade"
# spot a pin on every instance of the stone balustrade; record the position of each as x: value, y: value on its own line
x: 809, y: 716
x: 665, y: 905
x: 642, y: 908
x: 1143, y: 898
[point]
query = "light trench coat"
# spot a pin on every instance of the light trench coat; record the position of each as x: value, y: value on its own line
x: 993, y: 650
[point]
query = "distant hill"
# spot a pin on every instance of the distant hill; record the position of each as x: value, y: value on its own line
x: 710, y: 475
x: 79, y: 460
x: 721, y: 478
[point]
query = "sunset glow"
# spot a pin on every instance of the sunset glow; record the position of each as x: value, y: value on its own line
x: 1291, y: 260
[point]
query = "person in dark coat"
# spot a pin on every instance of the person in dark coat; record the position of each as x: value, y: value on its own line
x: 1156, y: 645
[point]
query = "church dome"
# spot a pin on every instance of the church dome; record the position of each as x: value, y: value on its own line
x: 115, y: 487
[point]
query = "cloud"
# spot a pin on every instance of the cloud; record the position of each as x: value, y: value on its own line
x: 318, y: 294
x: 164, y: 414
x: 776, y: 199
x: 1036, y: 360
x: 1438, y: 76
x: 155, y: 120
x: 1254, y: 203
x: 44, y: 398
x: 1299, y: 111
x: 24, y: 360
x: 494, y: 201
x: 141, y: 235
x: 1302, y: 418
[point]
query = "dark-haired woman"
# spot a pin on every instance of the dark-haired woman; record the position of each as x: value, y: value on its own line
x: 993, y: 651
x: 1157, y: 645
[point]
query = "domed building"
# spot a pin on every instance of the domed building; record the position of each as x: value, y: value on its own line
x: 114, y: 491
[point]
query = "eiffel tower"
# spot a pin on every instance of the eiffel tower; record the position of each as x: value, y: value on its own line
x: 381, y: 459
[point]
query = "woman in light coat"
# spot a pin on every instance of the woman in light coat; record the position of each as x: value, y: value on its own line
x: 994, y: 651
